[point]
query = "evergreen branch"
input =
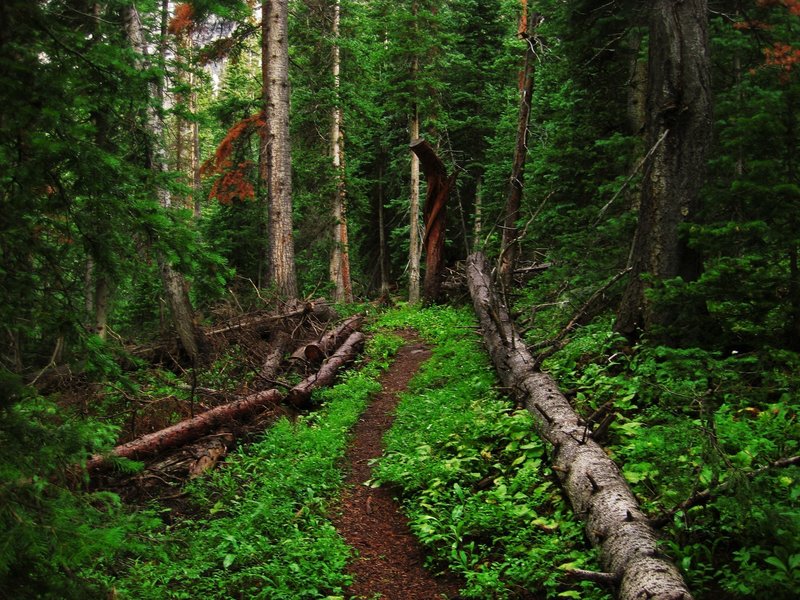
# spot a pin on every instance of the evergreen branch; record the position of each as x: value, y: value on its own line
x: 704, y: 496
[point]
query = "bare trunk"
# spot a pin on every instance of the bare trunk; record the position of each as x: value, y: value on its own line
x: 414, y: 242
x: 679, y: 112
x: 175, y: 286
x: 510, y: 244
x: 281, y: 236
x: 383, y: 254
x: 477, y: 226
x: 340, y: 257
x: 599, y: 495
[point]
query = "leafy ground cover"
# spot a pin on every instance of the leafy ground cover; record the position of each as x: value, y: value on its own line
x: 473, y: 476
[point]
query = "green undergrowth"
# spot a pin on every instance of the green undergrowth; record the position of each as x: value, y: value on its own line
x: 691, y: 419
x: 472, y: 474
x: 260, y: 528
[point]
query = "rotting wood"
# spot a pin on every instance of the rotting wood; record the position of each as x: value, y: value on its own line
x: 189, y: 429
x: 593, y: 483
x: 269, y: 368
x: 300, y: 395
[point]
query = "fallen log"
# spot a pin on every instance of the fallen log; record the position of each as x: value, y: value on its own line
x: 315, y: 352
x: 188, y: 430
x: 592, y: 481
x: 281, y: 343
x: 300, y: 395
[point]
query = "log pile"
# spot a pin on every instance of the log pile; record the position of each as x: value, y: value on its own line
x: 594, y: 484
x: 196, y: 444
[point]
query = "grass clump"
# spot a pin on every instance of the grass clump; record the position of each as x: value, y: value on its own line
x: 473, y: 474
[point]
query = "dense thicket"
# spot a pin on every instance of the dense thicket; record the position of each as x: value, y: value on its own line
x: 704, y: 399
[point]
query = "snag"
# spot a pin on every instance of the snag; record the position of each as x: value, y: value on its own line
x: 594, y: 484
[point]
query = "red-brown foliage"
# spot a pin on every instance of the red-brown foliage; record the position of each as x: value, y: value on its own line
x: 182, y: 22
x: 235, y: 181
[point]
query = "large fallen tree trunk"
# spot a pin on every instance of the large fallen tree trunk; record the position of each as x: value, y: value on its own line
x: 594, y: 484
x: 300, y: 395
x: 190, y: 429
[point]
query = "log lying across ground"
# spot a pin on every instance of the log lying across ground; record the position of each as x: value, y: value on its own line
x: 315, y: 352
x: 594, y: 484
x: 190, y: 429
x: 205, y: 423
x: 300, y: 394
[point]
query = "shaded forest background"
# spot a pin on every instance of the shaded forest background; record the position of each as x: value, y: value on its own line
x: 133, y: 179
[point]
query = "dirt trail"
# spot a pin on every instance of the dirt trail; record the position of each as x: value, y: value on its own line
x: 389, y: 562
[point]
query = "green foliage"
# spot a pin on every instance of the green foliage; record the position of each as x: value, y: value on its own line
x: 260, y: 526
x: 53, y: 538
x: 473, y: 474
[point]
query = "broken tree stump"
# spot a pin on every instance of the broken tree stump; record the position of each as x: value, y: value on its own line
x: 594, y: 484
x: 434, y: 215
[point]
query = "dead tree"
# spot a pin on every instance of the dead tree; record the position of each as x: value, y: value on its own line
x: 434, y: 215
x: 594, y: 484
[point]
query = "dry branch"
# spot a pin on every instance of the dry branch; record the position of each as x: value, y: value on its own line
x: 595, y: 486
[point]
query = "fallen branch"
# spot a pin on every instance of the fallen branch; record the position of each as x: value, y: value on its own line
x: 300, y: 395
x: 598, y: 492
x: 188, y: 430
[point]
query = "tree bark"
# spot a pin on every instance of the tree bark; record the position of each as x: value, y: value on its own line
x: 281, y: 236
x: 413, y: 242
x: 510, y: 244
x: 190, y: 429
x: 340, y: 256
x: 300, y: 395
x: 679, y: 111
x: 175, y: 286
x: 593, y: 483
x: 434, y: 216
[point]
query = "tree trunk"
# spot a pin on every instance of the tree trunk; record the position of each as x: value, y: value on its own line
x: 434, y: 215
x: 190, y: 429
x: 413, y: 242
x: 175, y: 287
x: 340, y: 257
x: 281, y: 236
x: 477, y: 226
x: 679, y: 111
x: 595, y: 486
x: 300, y: 395
x: 314, y: 353
x: 510, y: 245
x: 383, y: 253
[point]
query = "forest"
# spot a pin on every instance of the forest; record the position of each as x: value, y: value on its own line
x: 413, y: 299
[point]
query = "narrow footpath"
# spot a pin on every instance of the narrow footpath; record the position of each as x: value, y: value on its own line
x: 389, y: 564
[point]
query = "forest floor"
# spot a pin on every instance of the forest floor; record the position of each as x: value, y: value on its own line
x: 389, y: 563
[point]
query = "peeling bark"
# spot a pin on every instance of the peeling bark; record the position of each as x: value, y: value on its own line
x: 592, y: 481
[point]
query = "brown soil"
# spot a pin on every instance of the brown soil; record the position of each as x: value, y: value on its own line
x: 389, y: 564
